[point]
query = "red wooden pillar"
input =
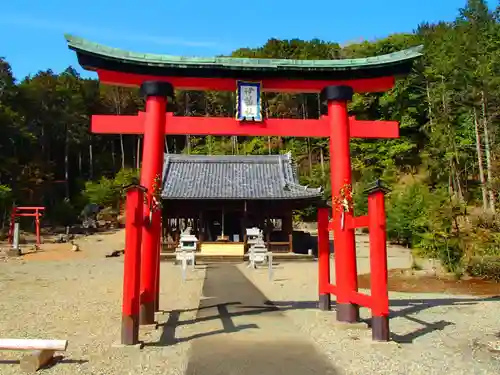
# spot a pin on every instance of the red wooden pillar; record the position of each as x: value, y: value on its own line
x: 134, y: 212
x: 323, y: 260
x: 378, y: 263
x: 340, y: 174
x: 156, y: 93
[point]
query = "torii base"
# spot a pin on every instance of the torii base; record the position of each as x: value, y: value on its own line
x: 380, y: 328
x: 325, y: 302
x: 147, y: 313
x: 347, y: 313
x: 130, y: 330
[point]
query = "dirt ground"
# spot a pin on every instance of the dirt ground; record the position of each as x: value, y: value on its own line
x: 401, y: 281
x: 95, y: 245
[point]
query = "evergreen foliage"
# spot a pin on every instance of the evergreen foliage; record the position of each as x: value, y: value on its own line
x: 443, y: 170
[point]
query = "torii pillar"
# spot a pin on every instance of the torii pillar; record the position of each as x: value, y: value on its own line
x: 156, y: 93
x: 337, y: 98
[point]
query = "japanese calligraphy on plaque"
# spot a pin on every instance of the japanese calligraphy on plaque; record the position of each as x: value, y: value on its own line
x: 249, y: 106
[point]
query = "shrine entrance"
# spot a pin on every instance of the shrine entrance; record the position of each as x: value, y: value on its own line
x: 336, y: 80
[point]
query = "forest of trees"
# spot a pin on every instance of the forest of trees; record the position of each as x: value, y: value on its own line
x: 443, y: 171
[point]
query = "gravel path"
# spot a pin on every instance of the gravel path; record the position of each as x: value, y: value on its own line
x: 432, y: 333
x: 80, y: 300
x: 240, y: 333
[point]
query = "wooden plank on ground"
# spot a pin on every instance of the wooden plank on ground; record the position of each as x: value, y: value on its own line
x: 33, y: 344
x: 35, y: 360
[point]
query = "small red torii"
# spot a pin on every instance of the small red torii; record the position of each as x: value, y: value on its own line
x: 26, y: 211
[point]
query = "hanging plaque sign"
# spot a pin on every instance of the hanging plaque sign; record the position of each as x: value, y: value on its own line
x: 248, y: 98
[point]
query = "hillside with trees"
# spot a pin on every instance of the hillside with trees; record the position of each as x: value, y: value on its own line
x: 443, y: 170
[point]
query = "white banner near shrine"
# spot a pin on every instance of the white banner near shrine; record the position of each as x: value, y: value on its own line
x: 249, y: 107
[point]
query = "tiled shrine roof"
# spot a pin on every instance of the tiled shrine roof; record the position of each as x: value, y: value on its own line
x: 270, y: 177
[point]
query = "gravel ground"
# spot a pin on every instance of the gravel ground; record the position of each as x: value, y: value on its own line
x: 80, y: 300
x: 432, y: 333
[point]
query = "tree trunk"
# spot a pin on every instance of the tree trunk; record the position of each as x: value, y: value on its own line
x: 134, y: 154
x: 91, y: 161
x: 122, y: 149
x: 308, y: 140
x: 309, y: 155
x: 120, y: 101
x: 234, y: 145
x: 188, y: 144
x: 138, y: 157
x: 487, y: 152
x: 43, y: 141
x: 459, y: 185
x: 429, y: 105
x: 113, y: 157
x: 80, y: 172
x: 322, y: 161
x: 480, y: 162
x: 66, y: 162
x: 455, y: 176
x: 450, y: 185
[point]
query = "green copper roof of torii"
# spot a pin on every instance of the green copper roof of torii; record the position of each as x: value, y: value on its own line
x: 81, y: 45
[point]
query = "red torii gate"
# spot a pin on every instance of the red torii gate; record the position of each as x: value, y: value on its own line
x: 23, y: 211
x: 157, y: 77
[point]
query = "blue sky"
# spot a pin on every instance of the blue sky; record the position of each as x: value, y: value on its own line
x: 31, y: 31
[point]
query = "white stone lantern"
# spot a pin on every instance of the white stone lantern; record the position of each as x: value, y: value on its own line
x: 254, y: 235
x: 186, y: 252
x: 257, y: 253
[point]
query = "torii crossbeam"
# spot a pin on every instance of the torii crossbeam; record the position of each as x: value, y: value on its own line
x: 225, y: 126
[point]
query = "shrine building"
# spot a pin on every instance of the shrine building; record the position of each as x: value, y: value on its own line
x: 219, y: 197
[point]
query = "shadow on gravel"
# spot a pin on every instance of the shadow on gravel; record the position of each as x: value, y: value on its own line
x: 401, y: 308
x: 413, y: 306
x: 224, y: 288
x: 228, y: 294
x: 405, y: 309
x: 168, y: 328
x: 55, y: 361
